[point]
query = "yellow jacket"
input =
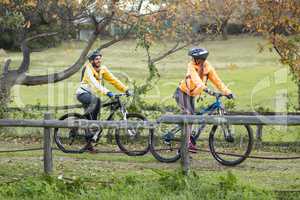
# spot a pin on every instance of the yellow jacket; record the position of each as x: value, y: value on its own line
x: 91, y: 81
x: 196, y: 79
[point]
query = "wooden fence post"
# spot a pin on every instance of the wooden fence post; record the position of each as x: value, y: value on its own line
x: 185, y: 159
x: 48, y: 163
x: 259, y: 129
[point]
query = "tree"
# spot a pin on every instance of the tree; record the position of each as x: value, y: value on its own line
x: 33, y: 17
x: 279, y: 22
x: 221, y: 12
x: 9, y: 78
x: 148, y: 20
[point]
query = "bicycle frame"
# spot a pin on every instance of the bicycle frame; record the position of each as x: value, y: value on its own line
x: 114, y: 105
x: 213, y: 107
x: 216, y: 106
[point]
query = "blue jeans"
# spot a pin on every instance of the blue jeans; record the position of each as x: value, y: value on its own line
x: 91, y: 104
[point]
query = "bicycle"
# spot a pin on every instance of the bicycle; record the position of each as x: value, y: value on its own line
x: 133, y: 142
x: 226, y: 142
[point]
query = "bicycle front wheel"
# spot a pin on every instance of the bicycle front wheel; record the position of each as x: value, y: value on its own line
x: 71, y: 140
x: 133, y: 141
x: 231, y: 144
x: 166, y: 143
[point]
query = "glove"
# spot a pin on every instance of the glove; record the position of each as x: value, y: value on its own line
x: 230, y: 96
x: 129, y: 93
x: 110, y: 94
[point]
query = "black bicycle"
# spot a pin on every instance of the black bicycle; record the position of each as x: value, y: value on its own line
x: 229, y: 144
x: 132, y: 141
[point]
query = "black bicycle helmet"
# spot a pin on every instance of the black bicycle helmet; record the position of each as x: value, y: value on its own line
x: 94, y: 54
x: 198, y: 53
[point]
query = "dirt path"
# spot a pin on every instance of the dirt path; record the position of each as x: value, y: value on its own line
x: 274, y: 174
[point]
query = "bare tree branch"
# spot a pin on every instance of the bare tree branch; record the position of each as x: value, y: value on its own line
x: 53, y: 78
x: 125, y: 35
x: 39, y: 36
x: 175, y: 48
x: 26, y: 59
x: 148, y: 14
x: 26, y: 51
x: 115, y: 40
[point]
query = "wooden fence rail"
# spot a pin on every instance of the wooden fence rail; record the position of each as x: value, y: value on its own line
x: 184, y: 120
x: 290, y: 120
x: 259, y: 128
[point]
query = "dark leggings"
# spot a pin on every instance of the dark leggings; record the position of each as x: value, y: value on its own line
x: 187, y: 107
x: 185, y: 102
x: 91, y: 104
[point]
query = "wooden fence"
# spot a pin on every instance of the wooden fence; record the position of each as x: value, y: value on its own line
x: 48, y: 124
x: 258, y: 132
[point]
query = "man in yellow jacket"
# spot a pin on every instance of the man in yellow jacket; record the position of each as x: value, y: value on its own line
x: 91, y: 87
x: 199, y: 71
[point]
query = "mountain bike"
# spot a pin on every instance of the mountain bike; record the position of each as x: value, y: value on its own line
x: 229, y: 144
x: 132, y: 141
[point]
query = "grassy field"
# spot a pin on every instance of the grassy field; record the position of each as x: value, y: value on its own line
x: 116, y: 176
x: 257, y: 79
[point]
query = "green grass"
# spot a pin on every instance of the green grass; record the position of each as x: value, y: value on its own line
x: 163, y: 186
x: 116, y: 176
x: 257, y: 79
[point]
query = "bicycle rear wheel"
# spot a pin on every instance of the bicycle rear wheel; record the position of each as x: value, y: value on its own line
x: 230, y: 144
x: 71, y: 140
x: 165, y: 144
x: 133, y: 141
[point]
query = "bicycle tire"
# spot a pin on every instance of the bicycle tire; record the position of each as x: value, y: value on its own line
x: 162, y: 151
x: 60, y: 140
x: 133, y: 145
x: 218, y: 155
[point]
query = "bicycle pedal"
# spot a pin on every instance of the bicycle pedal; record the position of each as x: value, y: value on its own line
x: 229, y: 139
x: 167, y: 142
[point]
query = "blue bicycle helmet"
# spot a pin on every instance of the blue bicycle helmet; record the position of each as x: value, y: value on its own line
x: 94, y: 54
x: 198, y: 53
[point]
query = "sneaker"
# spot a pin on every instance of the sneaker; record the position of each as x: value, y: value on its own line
x: 192, y: 148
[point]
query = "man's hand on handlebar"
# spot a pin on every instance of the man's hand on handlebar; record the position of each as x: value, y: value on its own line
x: 110, y: 94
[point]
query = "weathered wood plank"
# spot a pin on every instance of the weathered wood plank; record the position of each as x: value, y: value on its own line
x: 184, y: 152
x: 172, y: 119
x: 48, y: 163
x: 235, y: 119
x: 76, y: 123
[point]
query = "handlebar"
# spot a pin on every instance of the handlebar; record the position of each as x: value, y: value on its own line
x: 217, y: 94
x: 120, y: 95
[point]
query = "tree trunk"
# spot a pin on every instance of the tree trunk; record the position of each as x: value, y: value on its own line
x: 298, y: 84
x: 224, y: 30
x: 4, y: 96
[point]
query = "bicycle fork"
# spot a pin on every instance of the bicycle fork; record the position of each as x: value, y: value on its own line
x: 228, y: 135
x: 131, y: 132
